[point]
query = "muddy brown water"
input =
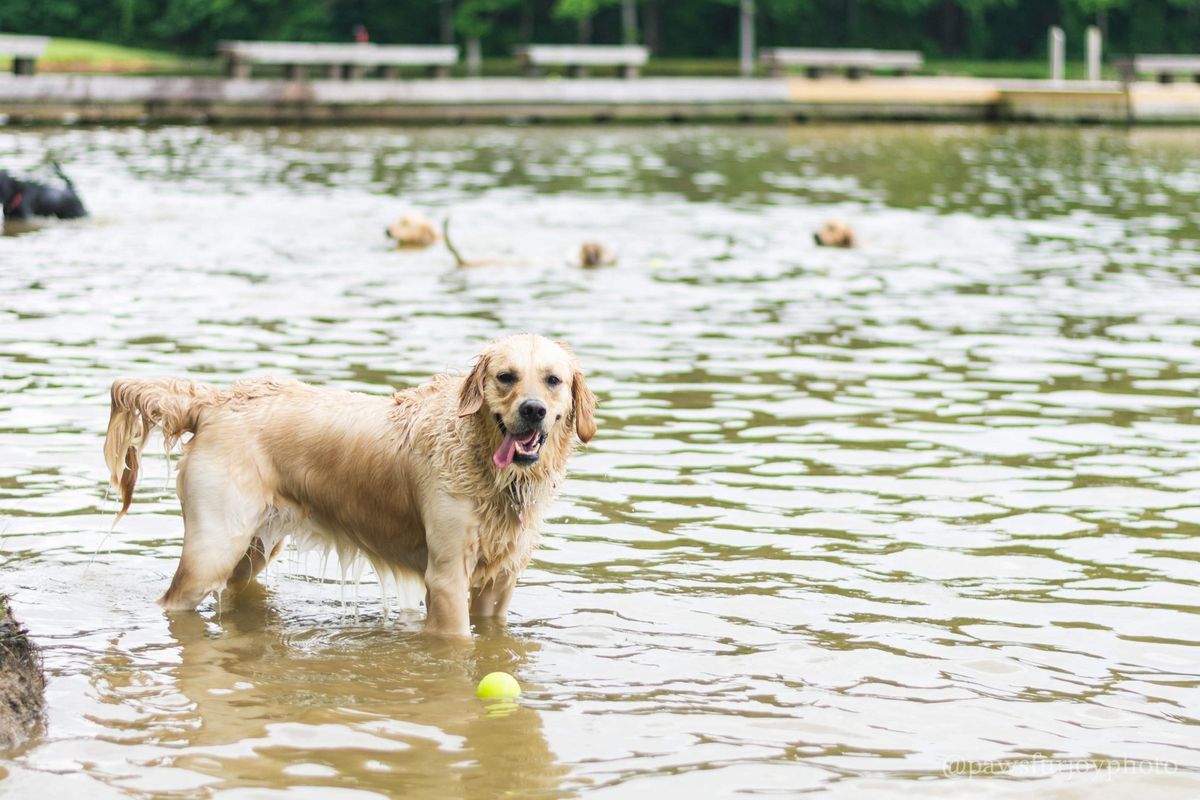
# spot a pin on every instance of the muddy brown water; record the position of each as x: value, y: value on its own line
x: 919, y: 517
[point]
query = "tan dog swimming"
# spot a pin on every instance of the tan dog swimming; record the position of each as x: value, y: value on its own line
x: 445, y: 484
x: 411, y: 231
x: 594, y: 254
x: 835, y: 233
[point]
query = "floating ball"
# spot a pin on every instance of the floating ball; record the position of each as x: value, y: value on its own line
x: 498, y: 686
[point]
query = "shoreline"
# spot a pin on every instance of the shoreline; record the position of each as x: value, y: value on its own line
x: 115, y: 99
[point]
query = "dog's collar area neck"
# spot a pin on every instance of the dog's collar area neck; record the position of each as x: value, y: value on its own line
x: 16, y: 201
x: 518, y: 502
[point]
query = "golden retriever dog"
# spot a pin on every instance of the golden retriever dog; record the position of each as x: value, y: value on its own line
x: 413, y: 230
x: 835, y: 233
x: 594, y: 254
x: 442, y: 486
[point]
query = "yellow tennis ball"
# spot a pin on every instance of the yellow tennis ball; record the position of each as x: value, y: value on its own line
x: 498, y: 686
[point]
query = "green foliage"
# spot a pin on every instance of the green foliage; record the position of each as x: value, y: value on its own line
x: 579, y: 9
x: 476, y: 18
x: 1097, y: 6
x: 965, y: 29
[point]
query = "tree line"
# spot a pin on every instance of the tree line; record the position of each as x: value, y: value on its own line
x: 970, y: 29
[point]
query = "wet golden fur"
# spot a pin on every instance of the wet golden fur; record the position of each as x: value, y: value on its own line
x: 406, y: 481
x: 836, y: 233
x: 595, y: 254
x: 413, y: 230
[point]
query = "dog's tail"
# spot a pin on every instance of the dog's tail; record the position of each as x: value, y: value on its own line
x: 63, y: 175
x: 458, y: 259
x: 137, y: 407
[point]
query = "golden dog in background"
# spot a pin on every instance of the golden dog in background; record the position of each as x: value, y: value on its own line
x: 836, y: 233
x: 595, y: 254
x: 411, y: 231
x: 444, y: 484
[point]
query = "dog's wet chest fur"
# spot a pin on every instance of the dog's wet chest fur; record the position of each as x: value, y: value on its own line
x: 374, y: 502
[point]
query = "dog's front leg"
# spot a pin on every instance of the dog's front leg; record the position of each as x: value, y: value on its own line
x: 446, y: 604
x: 491, y: 600
x: 447, y: 578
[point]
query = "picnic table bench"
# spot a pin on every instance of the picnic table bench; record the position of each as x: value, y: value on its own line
x: 346, y: 61
x: 627, y: 58
x: 25, y: 51
x: 1165, y: 67
x: 856, y: 63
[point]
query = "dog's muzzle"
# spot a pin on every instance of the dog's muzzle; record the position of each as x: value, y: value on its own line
x: 518, y: 448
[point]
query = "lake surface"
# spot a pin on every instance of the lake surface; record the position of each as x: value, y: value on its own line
x: 923, y: 512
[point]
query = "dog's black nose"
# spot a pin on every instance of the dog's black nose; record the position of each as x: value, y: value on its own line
x: 532, y: 410
x: 387, y: 232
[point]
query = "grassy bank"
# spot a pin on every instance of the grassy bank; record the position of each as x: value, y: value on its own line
x: 79, y: 55
x: 1032, y: 69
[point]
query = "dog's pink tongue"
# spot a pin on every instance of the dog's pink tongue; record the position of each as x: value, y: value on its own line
x: 504, y: 456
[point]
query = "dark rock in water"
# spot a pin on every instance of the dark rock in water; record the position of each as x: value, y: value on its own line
x: 22, y: 682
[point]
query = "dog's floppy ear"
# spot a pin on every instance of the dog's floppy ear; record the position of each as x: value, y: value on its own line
x: 585, y: 406
x: 470, y: 397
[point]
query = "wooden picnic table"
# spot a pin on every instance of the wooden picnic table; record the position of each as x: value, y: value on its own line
x: 25, y: 51
x: 816, y: 61
x: 338, y: 60
x: 1165, y: 67
x: 577, y: 58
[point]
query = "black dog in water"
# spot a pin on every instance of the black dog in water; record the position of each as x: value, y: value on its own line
x: 26, y: 199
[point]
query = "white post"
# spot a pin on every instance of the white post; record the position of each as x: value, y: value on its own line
x: 1058, y: 46
x: 747, y: 39
x: 1093, y: 53
x: 474, y: 57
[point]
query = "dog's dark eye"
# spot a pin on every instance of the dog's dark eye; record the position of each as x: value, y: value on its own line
x: 553, y: 380
x: 506, y: 377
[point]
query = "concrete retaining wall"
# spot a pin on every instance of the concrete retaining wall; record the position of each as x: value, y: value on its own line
x: 109, y: 98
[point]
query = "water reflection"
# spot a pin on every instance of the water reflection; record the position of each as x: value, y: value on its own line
x: 242, y: 698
